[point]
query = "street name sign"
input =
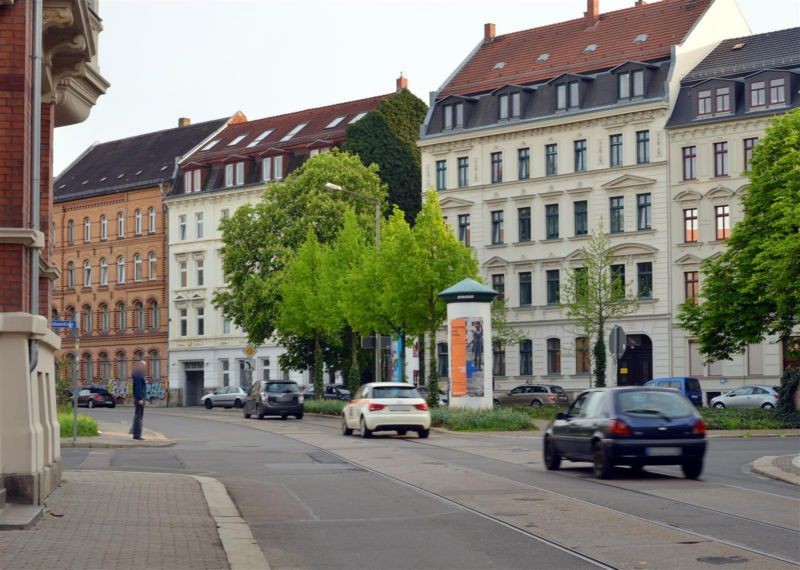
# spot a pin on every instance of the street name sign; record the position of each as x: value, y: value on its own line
x: 63, y: 324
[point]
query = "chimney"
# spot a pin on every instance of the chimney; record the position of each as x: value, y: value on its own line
x: 592, y: 14
x: 184, y: 121
x: 402, y: 82
x: 640, y: 2
x: 488, y: 33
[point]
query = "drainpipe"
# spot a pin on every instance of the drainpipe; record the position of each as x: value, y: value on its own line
x: 36, y: 174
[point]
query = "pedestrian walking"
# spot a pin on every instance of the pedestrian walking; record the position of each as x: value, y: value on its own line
x: 139, y: 392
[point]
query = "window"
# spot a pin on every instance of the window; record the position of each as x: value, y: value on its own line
x: 182, y: 270
x: 201, y: 321
x: 581, y: 209
x: 120, y: 225
x: 88, y: 320
x: 497, y: 227
x: 229, y: 175
x: 617, y: 214
x: 152, y: 264
x: 624, y: 85
x: 137, y: 267
x: 151, y: 220
x: 561, y: 97
x: 70, y: 275
x: 155, y: 365
x: 463, y: 229
x: 582, y: 360
x: 458, y: 111
x: 704, y: 102
x: 442, y: 360
x: 551, y: 159
x: 777, y: 91
x: 644, y: 212
x: 87, y: 230
x: 723, y: 221
x: 690, y: 225
x: 553, y: 356
x: 88, y: 369
x: 447, y: 117
x: 87, y: 273
x: 502, y: 107
x: 187, y: 182
x: 105, y: 318
x: 689, y: 162
x: 630, y: 84
x: 691, y: 285
x: 103, y: 227
x: 155, y: 316
x: 567, y: 95
x: 103, y: 271
x: 637, y: 77
x: 137, y: 222
x: 182, y: 227
x: 198, y: 224
x: 615, y: 144
x: 122, y: 321
x: 525, y: 293
x: 580, y: 155
x: 200, y: 269
x: 239, y: 173
x: 463, y: 172
x: 723, y: 99
x: 301, y: 126
x: 122, y: 367
x: 516, y: 104
x: 183, y: 320
x: 138, y: 316
x: 441, y: 175
x: 526, y: 358
x: 644, y: 275
x: 70, y: 232
x: 749, y: 146
x: 618, y: 280
x: 105, y: 368
x: 524, y: 224
x: 499, y: 359
x: 225, y: 367
x: 499, y: 285
x: 758, y: 94
x: 497, y: 167
x: 553, y: 284
x: 524, y: 162
x: 721, y: 159
x: 551, y: 221
x: 642, y: 147
x: 266, y: 169
x: 197, y: 175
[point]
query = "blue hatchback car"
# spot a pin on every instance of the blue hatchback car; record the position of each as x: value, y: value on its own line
x: 689, y: 387
x: 633, y: 426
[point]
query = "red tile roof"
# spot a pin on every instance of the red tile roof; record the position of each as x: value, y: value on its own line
x: 314, y: 131
x: 666, y: 23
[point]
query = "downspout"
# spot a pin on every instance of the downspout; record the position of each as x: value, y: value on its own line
x: 36, y: 166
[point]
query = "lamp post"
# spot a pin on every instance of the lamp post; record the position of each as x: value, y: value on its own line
x: 377, y: 202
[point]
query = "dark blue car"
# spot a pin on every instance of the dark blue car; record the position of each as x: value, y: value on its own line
x: 633, y: 426
x: 689, y: 387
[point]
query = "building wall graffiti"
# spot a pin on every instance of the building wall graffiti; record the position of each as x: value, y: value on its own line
x: 155, y: 391
x: 119, y: 389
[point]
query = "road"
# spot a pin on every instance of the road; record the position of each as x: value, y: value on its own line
x: 317, y: 499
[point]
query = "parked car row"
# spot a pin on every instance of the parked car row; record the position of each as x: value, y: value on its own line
x: 535, y: 395
x: 94, y: 397
x: 330, y: 392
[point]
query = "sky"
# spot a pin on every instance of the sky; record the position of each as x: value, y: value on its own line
x: 207, y: 59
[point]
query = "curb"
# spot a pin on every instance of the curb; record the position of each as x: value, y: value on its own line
x: 764, y: 466
x: 237, y: 539
x: 107, y: 445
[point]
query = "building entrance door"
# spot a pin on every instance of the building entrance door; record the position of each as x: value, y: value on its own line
x: 195, y: 387
x: 636, y: 365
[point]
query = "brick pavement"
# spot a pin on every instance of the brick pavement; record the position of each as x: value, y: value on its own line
x: 115, y: 520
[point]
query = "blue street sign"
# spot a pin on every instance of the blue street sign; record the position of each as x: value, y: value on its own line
x: 63, y: 324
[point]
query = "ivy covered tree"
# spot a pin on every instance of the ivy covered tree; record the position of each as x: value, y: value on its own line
x: 387, y: 136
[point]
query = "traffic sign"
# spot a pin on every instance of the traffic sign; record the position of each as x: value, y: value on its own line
x: 617, y: 341
x: 249, y: 350
x: 63, y: 325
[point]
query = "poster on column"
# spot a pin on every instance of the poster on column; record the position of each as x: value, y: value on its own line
x: 466, y: 346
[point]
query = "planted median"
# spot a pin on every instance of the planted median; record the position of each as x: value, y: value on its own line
x: 87, y: 426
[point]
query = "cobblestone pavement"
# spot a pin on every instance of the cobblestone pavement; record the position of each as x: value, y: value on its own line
x: 115, y: 520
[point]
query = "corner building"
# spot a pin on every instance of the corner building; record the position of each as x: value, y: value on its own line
x: 540, y: 138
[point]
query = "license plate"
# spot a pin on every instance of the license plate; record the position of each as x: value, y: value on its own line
x: 398, y: 408
x: 664, y: 451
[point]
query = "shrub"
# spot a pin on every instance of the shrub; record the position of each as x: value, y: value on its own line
x: 87, y: 426
x: 786, y: 409
x: 754, y: 418
x: 326, y: 407
x: 497, y: 419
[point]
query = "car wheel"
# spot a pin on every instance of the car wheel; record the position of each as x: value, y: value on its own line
x: 260, y: 412
x: 245, y: 413
x: 90, y: 404
x: 602, y: 467
x: 237, y: 403
x: 719, y: 406
x: 692, y: 468
x: 402, y: 432
x: 423, y: 433
x: 552, y: 460
x: 536, y: 404
x: 346, y: 430
x: 299, y: 416
x: 767, y: 406
x: 208, y: 404
x: 365, y: 433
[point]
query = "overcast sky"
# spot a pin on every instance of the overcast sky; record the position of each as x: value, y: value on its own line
x: 207, y: 59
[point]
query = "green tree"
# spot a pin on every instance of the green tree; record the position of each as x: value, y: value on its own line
x: 751, y: 290
x: 592, y: 295
x: 387, y: 136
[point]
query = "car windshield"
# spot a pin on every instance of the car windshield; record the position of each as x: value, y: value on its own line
x: 282, y: 387
x: 652, y: 403
x: 395, y: 392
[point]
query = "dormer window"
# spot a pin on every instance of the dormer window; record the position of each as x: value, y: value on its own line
x: 723, y: 99
x: 272, y: 168
x: 567, y: 96
x: 234, y: 174
x: 502, y: 107
x: 454, y: 116
x: 777, y: 91
x: 630, y: 84
x: 192, y: 181
x: 704, y: 102
x: 516, y: 104
x: 758, y: 94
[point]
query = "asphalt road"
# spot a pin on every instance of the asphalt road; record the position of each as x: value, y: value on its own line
x: 316, y: 499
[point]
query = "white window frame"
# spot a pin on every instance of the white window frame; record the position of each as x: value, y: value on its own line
x: 87, y: 273
x: 200, y: 267
x: 121, y: 269
x: 152, y: 265
x: 151, y: 220
x: 103, y: 227
x: 103, y: 271
x: 137, y: 222
x: 137, y: 267
x: 228, y: 175
x: 121, y: 225
x: 182, y: 227
x: 87, y: 230
x: 198, y: 225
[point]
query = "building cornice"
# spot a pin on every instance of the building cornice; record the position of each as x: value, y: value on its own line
x: 23, y: 236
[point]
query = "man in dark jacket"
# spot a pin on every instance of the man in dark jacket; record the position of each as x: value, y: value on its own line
x: 139, y: 392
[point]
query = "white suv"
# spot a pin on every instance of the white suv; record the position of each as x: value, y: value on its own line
x: 386, y: 406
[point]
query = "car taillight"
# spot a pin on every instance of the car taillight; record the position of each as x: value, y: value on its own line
x: 699, y: 428
x: 618, y: 427
x: 375, y: 407
x: 423, y: 406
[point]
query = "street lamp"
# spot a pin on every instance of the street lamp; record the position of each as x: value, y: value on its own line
x: 377, y: 202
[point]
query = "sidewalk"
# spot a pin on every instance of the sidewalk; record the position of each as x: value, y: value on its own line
x: 115, y: 434
x: 784, y: 468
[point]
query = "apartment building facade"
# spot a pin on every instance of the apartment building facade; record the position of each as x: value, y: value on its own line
x: 541, y: 138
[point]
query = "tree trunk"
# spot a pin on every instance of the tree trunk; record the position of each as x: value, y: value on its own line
x: 318, y: 374
x: 402, y: 356
x: 600, y: 358
x: 354, y: 374
x: 433, y: 373
x: 421, y: 358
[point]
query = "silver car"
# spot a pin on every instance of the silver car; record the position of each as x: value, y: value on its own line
x: 226, y: 397
x: 747, y: 397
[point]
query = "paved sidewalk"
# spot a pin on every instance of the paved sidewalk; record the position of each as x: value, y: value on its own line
x: 115, y: 520
x: 784, y: 468
x: 115, y: 434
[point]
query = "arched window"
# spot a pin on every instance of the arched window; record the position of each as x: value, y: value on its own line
x: 155, y: 317
x: 151, y: 220
x: 105, y: 368
x: 87, y: 230
x: 120, y: 269
x: 122, y: 367
x: 155, y: 365
x: 553, y: 356
x: 103, y: 227
x: 87, y: 372
x: 526, y: 358
x: 103, y: 271
x: 88, y: 320
x: 138, y: 316
x: 70, y: 275
x: 53, y: 315
x: 122, y: 321
x: 71, y: 315
x: 137, y: 267
x: 87, y: 273
x: 105, y: 318
x: 152, y: 265
x: 68, y: 371
x: 71, y: 232
x: 137, y: 222
x: 121, y: 225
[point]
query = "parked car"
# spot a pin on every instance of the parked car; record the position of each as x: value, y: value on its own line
x: 331, y: 392
x: 758, y: 396
x: 386, y: 406
x: 634, y: 426
x: 227, y: 397
x: 535, y: 395
x: 94, y: 397
x: 689, y: 387
x: 443, y: 399
x: 273, y: 398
